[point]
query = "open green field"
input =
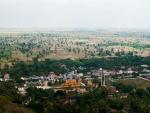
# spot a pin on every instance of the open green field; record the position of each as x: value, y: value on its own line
x: 139, y: 83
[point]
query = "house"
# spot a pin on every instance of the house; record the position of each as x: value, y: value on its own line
x: 6, y: 77
x: 146, y: 70
x: 120, y: 72
x: 52, y: 77
x: 22, y: 90
x: 144, y: 66
x: 79, y: 75
x: 112, y: 90
x: 113, y: 111
x: 43, y: 87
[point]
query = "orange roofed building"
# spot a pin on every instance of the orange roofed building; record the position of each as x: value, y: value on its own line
x: 71, y: 83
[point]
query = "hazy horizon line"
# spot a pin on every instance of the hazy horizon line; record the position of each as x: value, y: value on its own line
x: 74, y: 28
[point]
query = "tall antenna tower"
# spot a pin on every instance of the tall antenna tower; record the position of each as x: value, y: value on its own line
x: 103, y: 83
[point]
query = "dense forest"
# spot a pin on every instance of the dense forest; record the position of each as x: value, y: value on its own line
x: 36, y: 67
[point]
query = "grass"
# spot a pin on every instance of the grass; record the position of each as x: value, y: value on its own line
x: 139, y: 83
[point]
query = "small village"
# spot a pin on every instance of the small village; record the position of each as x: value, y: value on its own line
x: 79, y: 82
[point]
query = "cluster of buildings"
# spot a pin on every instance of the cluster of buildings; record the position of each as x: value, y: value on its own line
x: 67, y: 82
x: 76, y: 81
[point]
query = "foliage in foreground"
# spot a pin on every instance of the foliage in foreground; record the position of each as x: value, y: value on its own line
x: 94, y: 101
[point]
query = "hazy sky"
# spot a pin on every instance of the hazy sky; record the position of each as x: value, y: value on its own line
x: 75, y: 13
